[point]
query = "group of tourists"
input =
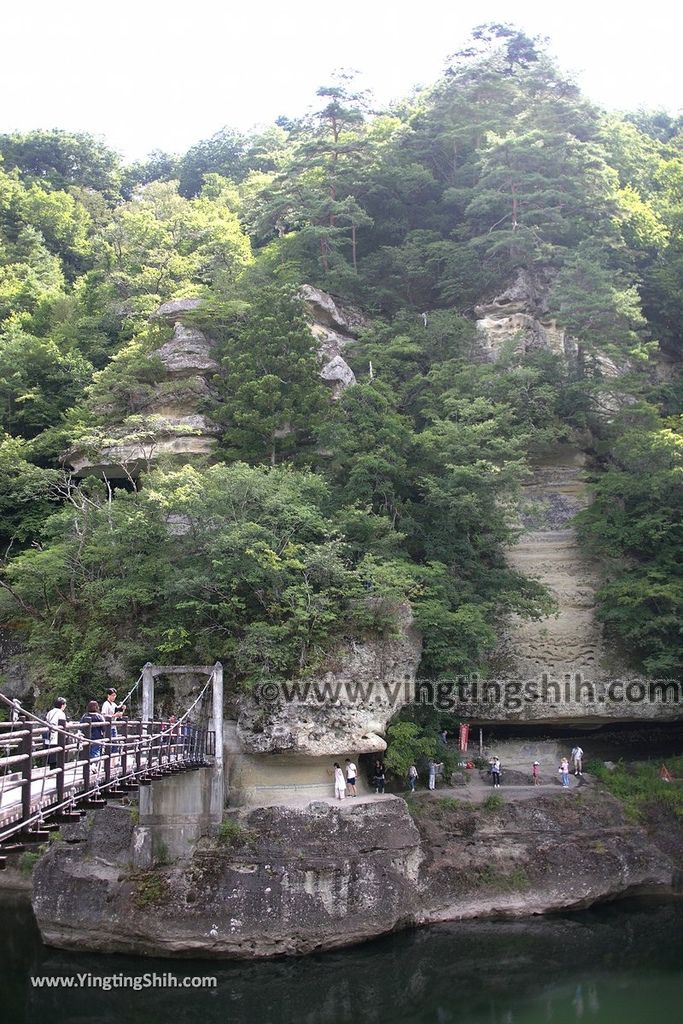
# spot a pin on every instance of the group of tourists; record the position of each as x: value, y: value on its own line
x: 345, y: 786
x: 94, y: 716
x: 576, y: 756
x: 433, y: 769
x: 345, y: 779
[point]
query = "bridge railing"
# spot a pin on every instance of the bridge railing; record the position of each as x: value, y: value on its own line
x: 89, y: 761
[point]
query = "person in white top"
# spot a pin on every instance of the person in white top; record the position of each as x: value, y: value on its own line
x: 339, y: 784
x: 351, y: 772
x: 56, y: 719
x: 577, y: 760
x: 110, y: 709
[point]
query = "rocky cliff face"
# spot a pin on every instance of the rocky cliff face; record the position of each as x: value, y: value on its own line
x: 171, y: 422
x: 560, y: 667
x: 344, y: 707
x: 333, y: 327
x: 289, y: 881
x: 324, y: 875
x: 517, y: 321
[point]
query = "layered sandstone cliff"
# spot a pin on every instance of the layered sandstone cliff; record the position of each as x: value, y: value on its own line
x: 173, y: 421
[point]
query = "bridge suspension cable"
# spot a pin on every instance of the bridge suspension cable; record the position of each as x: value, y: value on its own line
x: 133, y: 755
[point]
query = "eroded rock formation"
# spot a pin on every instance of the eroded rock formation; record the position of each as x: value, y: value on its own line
x: 333, y: 329
x: 320, y: 876
x: 171, y: 422
x: 344, y: 707
x: 560, y: 667
x: 517, y: 321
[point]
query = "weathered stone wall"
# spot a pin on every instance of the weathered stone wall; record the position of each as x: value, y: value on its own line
x: 257, y: 779
x: 560, y: 667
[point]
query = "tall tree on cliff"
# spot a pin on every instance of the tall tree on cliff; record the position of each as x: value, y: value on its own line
x: 272, y: 392
x: 314, y: 192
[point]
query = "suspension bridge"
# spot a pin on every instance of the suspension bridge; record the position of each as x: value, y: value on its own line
x: 51, y: 775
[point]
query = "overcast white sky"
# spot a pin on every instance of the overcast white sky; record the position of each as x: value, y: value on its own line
x: 161, y: 74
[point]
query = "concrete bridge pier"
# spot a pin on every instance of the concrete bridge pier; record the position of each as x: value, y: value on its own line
x: 174, y: 814
x: 176, y: 811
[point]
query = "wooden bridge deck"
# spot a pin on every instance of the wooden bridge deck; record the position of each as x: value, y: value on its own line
x: 38, y: 781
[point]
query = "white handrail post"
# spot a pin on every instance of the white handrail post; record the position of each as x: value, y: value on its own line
x: 217, y: 799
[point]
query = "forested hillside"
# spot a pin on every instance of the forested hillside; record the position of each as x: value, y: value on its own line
x: 316, y: 518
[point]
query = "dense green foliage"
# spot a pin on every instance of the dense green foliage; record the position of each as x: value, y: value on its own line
x: 641, y: 790
x: 319, y: 518
x: 234, y: 556
x: 408, y: 745
x: 635, y: 522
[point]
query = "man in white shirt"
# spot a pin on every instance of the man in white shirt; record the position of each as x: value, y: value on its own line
x: 351, y: 772
x: 577, y: 760
x: 56, y: 719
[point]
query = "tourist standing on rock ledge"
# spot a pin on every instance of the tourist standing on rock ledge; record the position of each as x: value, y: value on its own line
x: 535, y: 772
x: 339, y: 783
x: 432, y: 774
x: 564, y: 772
x: 379, y: 777
x: 351, y: 772
x: 495, y: 772
x: 577, y: 760
x: 412, y: 777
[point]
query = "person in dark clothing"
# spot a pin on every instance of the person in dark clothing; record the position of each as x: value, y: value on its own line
x: 96, y: 720
x: 379, y: 777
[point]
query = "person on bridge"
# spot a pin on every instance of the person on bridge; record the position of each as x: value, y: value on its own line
x: 17, y: 712
x: 111, y: 711
x: 96, y: 721
x: 56, y: 719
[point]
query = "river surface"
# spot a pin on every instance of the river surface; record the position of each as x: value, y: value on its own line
x: 617, y: 964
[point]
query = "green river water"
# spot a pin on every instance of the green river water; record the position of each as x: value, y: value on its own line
x: 617, y: 964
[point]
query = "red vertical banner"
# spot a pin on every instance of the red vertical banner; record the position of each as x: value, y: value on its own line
x: 464, y: 737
